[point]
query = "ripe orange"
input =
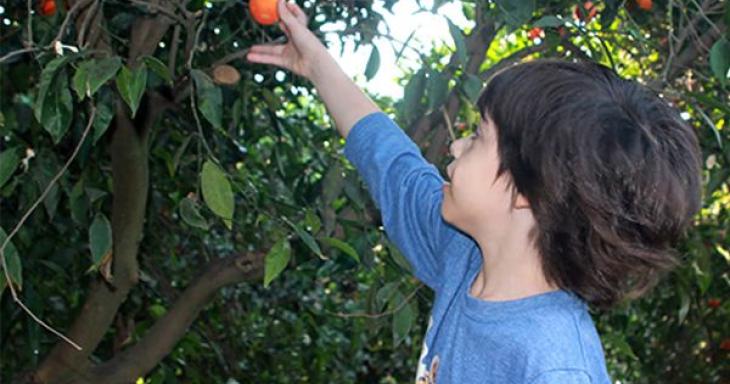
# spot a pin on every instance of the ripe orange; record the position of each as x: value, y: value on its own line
x: 535, y: 33
x: 644, y: 4
x: 48, y: 7
x: 264, y: 11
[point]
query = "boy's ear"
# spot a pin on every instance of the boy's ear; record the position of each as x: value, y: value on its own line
x: 520, y: 202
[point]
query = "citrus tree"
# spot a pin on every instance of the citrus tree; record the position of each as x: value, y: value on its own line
x: 172, y: 213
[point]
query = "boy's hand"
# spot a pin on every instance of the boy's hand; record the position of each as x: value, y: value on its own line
x: 302, y: 50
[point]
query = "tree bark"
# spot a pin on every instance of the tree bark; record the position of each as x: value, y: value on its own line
x: 130, y: 174
x: 142, y: 357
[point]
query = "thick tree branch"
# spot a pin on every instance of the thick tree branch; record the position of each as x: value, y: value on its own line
x: 129, y: 170
x: 147, y: 32
x: 130, y: 174
x: 141, y: 358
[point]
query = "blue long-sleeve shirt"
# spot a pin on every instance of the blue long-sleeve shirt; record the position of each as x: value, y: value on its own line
x: 548, y: 338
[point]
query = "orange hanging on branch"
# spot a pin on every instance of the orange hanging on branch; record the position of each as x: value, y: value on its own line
x: 47, y: 8
x: 644, y: 4
x: 264, y: 11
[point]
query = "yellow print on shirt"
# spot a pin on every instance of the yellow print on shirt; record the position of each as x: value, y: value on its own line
x: 429, y: 377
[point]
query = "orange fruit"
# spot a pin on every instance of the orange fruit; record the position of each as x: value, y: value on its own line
x: 264, y: 11
x: 535, y: 33
x: 48, y: 7
x: 644, y: 4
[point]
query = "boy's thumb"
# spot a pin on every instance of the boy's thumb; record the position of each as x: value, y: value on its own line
x: 285, y: 14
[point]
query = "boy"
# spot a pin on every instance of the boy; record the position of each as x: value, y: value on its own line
x: 569, y: 193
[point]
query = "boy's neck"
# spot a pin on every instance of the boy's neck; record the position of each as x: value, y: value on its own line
x: 511, y: 267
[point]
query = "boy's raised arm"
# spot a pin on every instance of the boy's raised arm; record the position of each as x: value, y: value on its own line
x: 406, y: 188
x: 305, y: 55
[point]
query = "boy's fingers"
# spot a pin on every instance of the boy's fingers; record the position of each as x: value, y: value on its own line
x: 298, y: 12
x: 267, y: 49
x: 285, y: 29
x: 285, y: 14
x: 264, y: 58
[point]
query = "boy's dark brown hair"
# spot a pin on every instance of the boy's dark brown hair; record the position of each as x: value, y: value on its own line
x: 611, y: 171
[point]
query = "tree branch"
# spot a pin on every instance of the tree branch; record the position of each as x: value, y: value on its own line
x: 689, y: 55
x: 477, y: 44
x: 141, y: 358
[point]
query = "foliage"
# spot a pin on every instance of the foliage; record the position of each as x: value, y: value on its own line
x: 223, y: 169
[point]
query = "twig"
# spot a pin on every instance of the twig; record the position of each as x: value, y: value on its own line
x: 711, y: 124
x: 62, y: 29
x: 18, y: 52
x: 448, y: 123
x: 27, y: 215
x: 30, y: 42
x: 670, y: 43
x: 193, y: 105
x: 382, y: 314
x: 87, y: 21
x: 701, y: 10
x: 161, y: 9
x: 230, y: 57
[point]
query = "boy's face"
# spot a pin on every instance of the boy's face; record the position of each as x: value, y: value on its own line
x: 474, y: 197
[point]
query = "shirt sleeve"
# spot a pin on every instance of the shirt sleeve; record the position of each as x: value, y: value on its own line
x: 406, y: 188
x: 563, y: 376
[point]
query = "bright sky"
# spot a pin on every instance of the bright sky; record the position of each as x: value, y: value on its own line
x: 431, y: 30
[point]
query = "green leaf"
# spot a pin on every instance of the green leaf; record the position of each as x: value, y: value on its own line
x: 104, y: 114
x: 48, y: 75
x: 94, y: 194
x: 276, y: 260
x: 685, y: 302
x: 458, y: 37
x: 3, y: 283
x: 402, y: 319
x: 178, y: 155
x: 190, y: 213
x: 549, y: 21
x: 158, y: 68
x: 398, y: 257
x: 12, y: 260
x: 385, y: 294
x: 438, y: 89
x: 92, y: 74
x: 100, y: 238
x: 720, y: 60
x: 618, y: 342
x: 342, y: 246
x: 217, y: 192
x: 78, y: 203
x: 54, y: 107
x: 373, y: 63
x: 9, y: 161
x: 472, y: 86
x: 157, y: 311
x: 210, y: 98
x: 131, y: 85
x: 306, y: 238
x: 412, y: 95
x: 516, y: 12
x: 312, y: 221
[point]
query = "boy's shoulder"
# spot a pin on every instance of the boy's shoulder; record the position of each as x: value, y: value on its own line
x: 557, y: 339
